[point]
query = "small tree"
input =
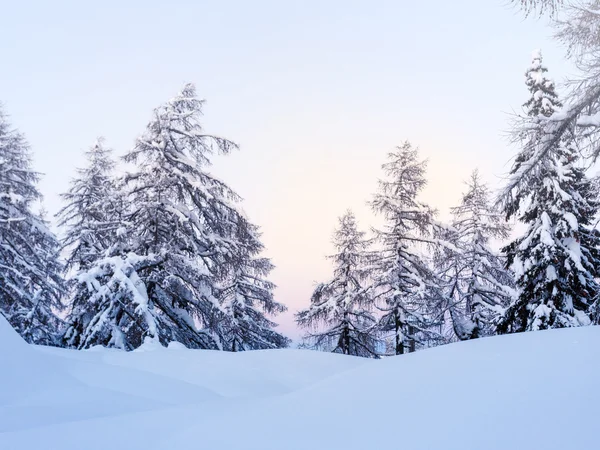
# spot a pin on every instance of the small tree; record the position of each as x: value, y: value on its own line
x: 479, y: 286
x: 409, y: 293
x: 30, y: 281
x: 91, y: 219
x: 339, y: 316
x: 246, y: 296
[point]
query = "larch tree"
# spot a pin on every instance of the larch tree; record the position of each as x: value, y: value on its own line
x: 90, y: 219
x: 30, y: 272
x: 340, y: 317
x: 556, y: 260
x: 245, y: 297
x: 479, y: 286
x: 89, y: 216
x: 407, y: 290
x: 184, y: 246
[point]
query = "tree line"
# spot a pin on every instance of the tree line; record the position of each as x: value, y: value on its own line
x: 417, y: 283
x: 163, y: 253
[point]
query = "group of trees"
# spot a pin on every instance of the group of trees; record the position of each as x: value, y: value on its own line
x: 162, y: 253
x: 418, y: 283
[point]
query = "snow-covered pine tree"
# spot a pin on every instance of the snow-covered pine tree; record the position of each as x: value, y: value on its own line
x: 339, y: 317
x: 580, y: 117
x: 543, y: 102
x: 557, y: 260
x: 480, y: 287
x: 183, y: 243
x: 30, y: 280
x: 90, y: 220
x: 246, y: 296
x: 407, y: 289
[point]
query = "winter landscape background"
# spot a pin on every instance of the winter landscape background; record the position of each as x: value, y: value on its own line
x: 385, y: 233
x: 316, y: 94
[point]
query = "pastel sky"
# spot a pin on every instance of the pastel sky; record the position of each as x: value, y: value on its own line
x: 315, y: 92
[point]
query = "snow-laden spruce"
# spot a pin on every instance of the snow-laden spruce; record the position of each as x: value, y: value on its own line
x: 405, y: 287
x: 30, y: 280
x: 556, y: 261
x: 580, y: 116
x: 246, y: 297
x: 90, y: 219
x: 185, y: 265
x: 478, y: 285
x: 339, y: 318
x: 543, y: 102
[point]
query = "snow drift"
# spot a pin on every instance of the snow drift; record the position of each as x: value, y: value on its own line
x: 528, y: 391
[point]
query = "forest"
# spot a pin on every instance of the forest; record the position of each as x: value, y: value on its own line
x: 164, y: 252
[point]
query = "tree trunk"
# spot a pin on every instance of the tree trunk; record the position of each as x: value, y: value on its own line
x: 411, y: 342
x: 399, y: 343
x: 347, y: 339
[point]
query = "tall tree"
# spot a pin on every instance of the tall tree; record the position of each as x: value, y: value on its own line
x: 30, y: 281
x: 404, y: 284
x: 184, y: 242
x: 556, y: 261
x: 479, y: 285
x: 339, y: 316
x: 90, y: 220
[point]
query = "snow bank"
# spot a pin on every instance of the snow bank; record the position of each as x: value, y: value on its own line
x: 529, y: 391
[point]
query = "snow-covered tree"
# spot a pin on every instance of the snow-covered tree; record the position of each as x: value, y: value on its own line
x: 90, y: 220
x: 30, y: 281
x: 580, y: 117
x: 479, y: 286
x: 90, y: 217
x: 404, y: 284
x: 543, y: 102
x: 556, y: 261
x: 182, y: 246
x: 339, y: 318
x: 246, y: 296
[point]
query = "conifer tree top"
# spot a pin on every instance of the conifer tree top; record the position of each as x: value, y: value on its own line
x: 543, y: 98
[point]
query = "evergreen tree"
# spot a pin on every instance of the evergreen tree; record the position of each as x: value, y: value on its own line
x: 479, y: 285
x: 556, y: 261
x: 405, y: 285
x: 30, y: 281
x: 543, y: 102
x: 90, y: 218
x: 181, y: 247
x: 579, y: 119
x: 342, y: 304
x: 245, y: 296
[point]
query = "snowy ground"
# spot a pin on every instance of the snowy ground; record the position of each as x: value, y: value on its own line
x: 532, y: 391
